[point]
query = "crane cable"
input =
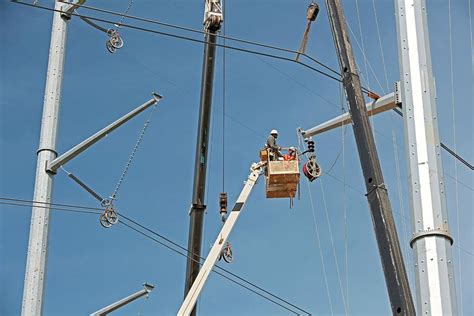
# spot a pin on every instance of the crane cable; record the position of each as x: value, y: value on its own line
x: 344, y: 208
x: 456, y: 192
x: 318, y: 238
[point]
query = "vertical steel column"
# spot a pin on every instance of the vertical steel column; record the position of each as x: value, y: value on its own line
x: 431, y: 240
x: 377, y: 195
x: 200, y: 166
x: 38, y: 243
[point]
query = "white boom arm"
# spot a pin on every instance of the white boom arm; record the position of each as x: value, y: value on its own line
x: 193, y: 294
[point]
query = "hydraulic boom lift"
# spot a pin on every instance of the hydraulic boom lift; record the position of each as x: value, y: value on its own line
x: 282, y: 180
x: 190, y: 300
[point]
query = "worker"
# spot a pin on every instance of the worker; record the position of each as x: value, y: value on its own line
x: 291, y: 154
x: 274, y: 149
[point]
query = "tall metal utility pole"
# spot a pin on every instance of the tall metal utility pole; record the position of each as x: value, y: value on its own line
x: 385, y: 231
x: 38, y: 243
x: 212, y: 24
x: 431, y: 240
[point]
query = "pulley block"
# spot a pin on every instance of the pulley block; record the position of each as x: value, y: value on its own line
x: 311, y: 170
x: 226, y: 253
x: 114, y: 42
x: 109, y: 217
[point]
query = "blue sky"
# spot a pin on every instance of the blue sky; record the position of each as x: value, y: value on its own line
x: 274, y: 246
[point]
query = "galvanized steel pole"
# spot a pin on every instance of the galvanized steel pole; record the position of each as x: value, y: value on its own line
x: 385, y: 231
x: 431, y: 240
x: 38, y: 243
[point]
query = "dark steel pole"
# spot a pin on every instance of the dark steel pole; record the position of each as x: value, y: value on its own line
x: 200, y: 166
x: 385, y: 231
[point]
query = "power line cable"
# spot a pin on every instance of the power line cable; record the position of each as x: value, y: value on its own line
x: 445, y: 147
x: 456, y: 195
x: 27, y: 203
x: 195, y: 40
x: 83, y: 209
x: 318, y: 238
x: 380, y: 44
x: 332, y: 245
x: 198, y: 261
x: 202, y: 258
x: 204, y: 32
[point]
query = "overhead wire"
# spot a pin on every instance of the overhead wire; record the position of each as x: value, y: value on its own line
x: 282, y: 49
x: 213, y: 270
x: 224, y: 9
x: 380, y: 44
x: 332, y: 245
x: 405, y: 247
x: 344, y: 208
x: 318, y: 238
x: 365, y: 57
x: 456, y: 192
x: 445, y: 147
x: 88, y: 210
x: 367, y: 80
x: 365, y: 90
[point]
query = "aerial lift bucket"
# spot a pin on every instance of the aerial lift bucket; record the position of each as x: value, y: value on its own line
x: 282, y: 177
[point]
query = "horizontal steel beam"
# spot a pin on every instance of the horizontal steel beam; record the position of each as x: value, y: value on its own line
x: 385, y: 103
x: 147, y: 288
x: 84, y: 145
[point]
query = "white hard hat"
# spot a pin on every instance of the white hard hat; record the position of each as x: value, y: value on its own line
x: 274, y: 131
x: 292, y: 148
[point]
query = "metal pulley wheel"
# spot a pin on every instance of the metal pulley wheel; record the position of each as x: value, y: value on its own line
x: 114, y: 42
x: 227, y: 253
x: 111, y: 216
x: 104, y: 221
x: 311, y: 170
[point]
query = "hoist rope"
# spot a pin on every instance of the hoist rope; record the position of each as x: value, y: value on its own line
x: 223, y: 95
x: 367, y: 79
x: 365, y: 57
x: 344, y: 209
x: 456, y: 192
x: 320, y: 247
x: 406, y: 247
x: 332, y: 245
x: 142, y: 305
x: 132, y: 155
x: 318, y: 238
x: 470, y: 33
x: 380, y: 45
x: 362, y: 44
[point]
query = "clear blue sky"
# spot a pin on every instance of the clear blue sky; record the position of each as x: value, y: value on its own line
x: 275, y: 247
